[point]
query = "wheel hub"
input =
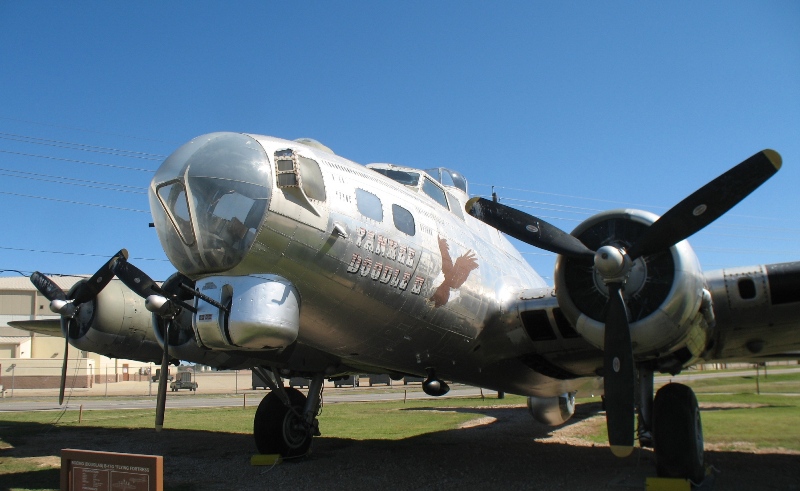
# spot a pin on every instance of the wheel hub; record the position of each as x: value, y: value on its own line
x: 294, y: 430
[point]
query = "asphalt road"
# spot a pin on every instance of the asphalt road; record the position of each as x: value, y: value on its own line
x: 250, y: 397
x: 121, y: 398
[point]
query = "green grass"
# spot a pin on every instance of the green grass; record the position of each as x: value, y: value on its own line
x: 772, y: 384
x: 379, y: 420
x: 771, y: 422
x: 732, y: 414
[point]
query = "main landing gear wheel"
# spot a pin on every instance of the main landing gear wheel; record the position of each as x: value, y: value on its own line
x: 678, y: 434
x: 279, y: 430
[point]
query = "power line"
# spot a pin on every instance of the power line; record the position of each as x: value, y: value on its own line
x: 642, y: 206
x: 77, y: 182
x: 78, y: 161
x: 86, y: 254
x: 75, y: 128
x: 589, y: 211
x: 571, y: 196
x: 73, y: 202
x: 80, y: 146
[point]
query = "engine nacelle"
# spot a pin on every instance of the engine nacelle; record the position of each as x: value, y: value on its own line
x: 669, y: 305
x: 116, y: 324
x: 552, y: 411
x: 264, y: 313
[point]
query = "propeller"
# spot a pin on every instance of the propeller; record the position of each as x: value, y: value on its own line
x: 165, y: 305
x: 614, y: 264
x: 67, y: 306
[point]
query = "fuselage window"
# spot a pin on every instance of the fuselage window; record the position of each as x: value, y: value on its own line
x: 403, y: 220
x: 434, y: 191
x: 369, y: 205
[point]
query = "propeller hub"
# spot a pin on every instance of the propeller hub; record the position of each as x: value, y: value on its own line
x: 633, y: 278
x: 612, y: 263
x: 160, y: 305
x: 63, y: 307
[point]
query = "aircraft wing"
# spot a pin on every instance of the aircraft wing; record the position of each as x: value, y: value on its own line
x: 49, y: 327
x: 756, y: 310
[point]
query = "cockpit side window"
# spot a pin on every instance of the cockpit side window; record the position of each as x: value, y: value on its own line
x: 455, y: 206
x: 369, y: 205
x: 435, y: 192
x: 403, y: 220
x: 293, y: 170
x: 311, y: 176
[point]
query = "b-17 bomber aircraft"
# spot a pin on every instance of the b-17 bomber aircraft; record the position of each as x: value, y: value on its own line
x: 294, y: 261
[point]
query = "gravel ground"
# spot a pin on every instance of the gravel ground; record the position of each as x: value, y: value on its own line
x: 501, y: 447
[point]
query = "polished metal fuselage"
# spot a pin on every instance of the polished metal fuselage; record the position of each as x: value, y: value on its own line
x: 369, y: 295
x: 376, y: 293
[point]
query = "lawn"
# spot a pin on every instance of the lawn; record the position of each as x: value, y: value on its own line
x: 734, y: 417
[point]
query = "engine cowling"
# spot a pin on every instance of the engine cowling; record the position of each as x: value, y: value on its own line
x: 552, y: 411
x: 183, y: 344
x: 669, y: 305
x: 116, y: 324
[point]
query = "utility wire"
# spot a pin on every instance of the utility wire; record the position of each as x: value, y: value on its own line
x: 642, y: 206
x: 78, y: 161
x: 76, y: 182
x: 36, y: 174
x: 81, y: 147
x: 74, y: 202
x: 85, y: 254
x: 85, y: 130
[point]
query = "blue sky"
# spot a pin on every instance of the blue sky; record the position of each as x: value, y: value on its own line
x: 571, y: 106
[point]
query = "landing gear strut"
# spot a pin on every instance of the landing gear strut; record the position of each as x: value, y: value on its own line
x: 285, y: 420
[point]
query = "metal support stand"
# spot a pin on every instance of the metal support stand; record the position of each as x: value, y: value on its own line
x: 314, y: 396
x: 646, y: 389
x: 312, y: 403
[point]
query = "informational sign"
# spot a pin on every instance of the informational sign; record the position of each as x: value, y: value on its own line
x: 87, y: 470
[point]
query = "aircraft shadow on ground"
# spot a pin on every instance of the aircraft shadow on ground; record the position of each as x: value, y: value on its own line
x: 511, y: 451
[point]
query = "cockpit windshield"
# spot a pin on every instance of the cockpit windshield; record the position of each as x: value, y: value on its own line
x: 403, y: 177
x: 448, y: 177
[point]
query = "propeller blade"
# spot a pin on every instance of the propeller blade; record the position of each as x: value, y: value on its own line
x: 618, y: 374
x: 527, y: 228
x: 47, y: 287
x: 707, y: 204
x: 136, y: 279
x: 62, y: 388
x: 89, y: 289
x: 161, y: 402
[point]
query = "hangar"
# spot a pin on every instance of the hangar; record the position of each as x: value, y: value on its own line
x: 34, y: 360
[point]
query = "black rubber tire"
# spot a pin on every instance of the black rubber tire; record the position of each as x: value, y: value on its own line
x: 678, y: 434
x: 276, y: 428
